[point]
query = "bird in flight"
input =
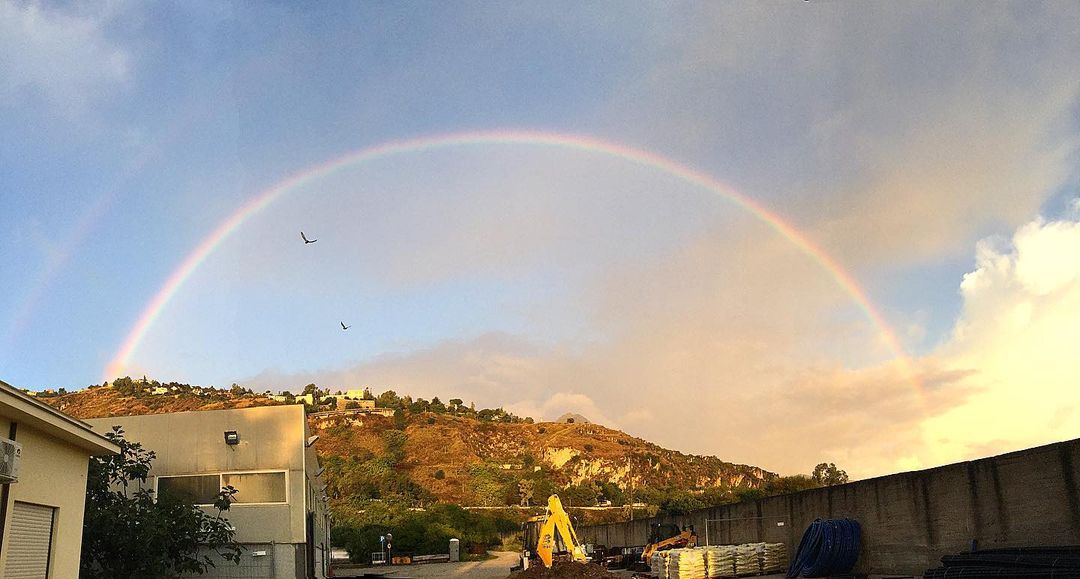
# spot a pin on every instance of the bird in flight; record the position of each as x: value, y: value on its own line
x: 344, y: 327
x: 306, y: 240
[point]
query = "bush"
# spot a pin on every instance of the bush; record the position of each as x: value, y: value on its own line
x: 440, y: 475
x: 130, y: 534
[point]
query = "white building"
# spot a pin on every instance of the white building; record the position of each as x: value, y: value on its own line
x: 279, y: 512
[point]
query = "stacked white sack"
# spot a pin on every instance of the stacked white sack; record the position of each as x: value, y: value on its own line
x: 746, y: 560
x: 774, y: 559
x: 686, y: 564
x: 720, y: 561
x: 658, y: 564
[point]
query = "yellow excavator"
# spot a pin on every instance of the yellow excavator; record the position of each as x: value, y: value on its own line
x: 664, y: 536
x: 549, y: 538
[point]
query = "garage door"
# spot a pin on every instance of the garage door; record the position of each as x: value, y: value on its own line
x: 29, y: 541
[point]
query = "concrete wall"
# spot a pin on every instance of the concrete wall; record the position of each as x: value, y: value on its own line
x: 909, y: 520
x: 51, y: 473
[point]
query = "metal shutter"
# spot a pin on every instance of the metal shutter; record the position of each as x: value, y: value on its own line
x: 29, y: 541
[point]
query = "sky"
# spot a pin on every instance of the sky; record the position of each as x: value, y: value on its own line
x: 781, y: 232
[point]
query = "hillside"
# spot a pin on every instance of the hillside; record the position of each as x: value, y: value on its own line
x: 458, y: 455
x: 478, y: 459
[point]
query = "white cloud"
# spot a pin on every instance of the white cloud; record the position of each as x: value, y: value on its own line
x: 1020, y: 329
x: 62, y: 56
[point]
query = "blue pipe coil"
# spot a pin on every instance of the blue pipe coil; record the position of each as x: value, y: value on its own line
x: 828, y: 547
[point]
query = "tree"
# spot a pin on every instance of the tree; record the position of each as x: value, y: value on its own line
x: 388, y: 399
x: 310, y: 389
x: 827, y: 475
x: 440, y: 475
x: 680, y: 503
x: 351, y: 405
x: 437, y: 406
x: 128, y: 534
x: 368, y: 395
x: 790, y: 484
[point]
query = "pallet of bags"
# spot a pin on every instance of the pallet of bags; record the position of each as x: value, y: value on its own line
x: 746, y: 560
x: 720, y: 561
x: 658, y: 563
x: 686, y: 564
x: 774, y: 558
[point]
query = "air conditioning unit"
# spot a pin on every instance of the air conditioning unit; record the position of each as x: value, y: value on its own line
x: 10, y: 454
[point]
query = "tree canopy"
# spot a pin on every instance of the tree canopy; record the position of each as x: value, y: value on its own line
x: 129, y: 534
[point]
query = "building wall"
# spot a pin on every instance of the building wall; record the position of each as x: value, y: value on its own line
x: 909, y: 520
x: 51, y: 473
x: 272, y: 438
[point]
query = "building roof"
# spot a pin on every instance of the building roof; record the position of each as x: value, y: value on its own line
x: 36, y: 414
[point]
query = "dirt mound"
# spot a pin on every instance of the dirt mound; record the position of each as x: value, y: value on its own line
x: 571, y: 570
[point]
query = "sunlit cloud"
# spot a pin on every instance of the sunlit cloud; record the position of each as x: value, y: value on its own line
x: 1019, y: 328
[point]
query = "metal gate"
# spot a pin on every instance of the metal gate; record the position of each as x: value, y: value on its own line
x: 29, y: 541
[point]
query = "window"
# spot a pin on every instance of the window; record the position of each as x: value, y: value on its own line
x: 256, y: 487
x: 202, y: 489
x: 199, y: 489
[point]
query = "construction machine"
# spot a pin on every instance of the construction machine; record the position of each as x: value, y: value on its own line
x: 549, y: 537
x: 664, y: 536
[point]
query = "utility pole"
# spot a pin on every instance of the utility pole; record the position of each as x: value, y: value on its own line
x: 630, y: 468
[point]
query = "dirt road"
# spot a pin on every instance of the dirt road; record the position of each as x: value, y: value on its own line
x: 497, y: 568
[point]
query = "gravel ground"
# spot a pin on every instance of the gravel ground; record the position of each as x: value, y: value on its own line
x: 497, y: 568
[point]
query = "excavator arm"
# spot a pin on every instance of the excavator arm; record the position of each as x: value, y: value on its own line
x: 687, y: 538
x: 558, y: 527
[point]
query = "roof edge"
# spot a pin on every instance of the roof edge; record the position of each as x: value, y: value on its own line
x: 44, y: 417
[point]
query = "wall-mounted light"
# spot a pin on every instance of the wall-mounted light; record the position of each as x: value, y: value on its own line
x: 232, y: 437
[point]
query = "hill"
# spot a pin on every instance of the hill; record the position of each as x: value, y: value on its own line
x: 451, y: 453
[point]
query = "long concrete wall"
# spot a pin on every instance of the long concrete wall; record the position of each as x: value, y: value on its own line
x: 909, y: 520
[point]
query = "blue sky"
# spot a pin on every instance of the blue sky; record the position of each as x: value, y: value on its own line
x: 904, y: 140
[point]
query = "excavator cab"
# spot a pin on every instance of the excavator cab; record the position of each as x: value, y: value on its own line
x: 549, y: 538
x: 662, y: 532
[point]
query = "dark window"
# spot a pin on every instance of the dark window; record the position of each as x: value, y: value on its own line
x: 199, y: 489
x: 256, y: 487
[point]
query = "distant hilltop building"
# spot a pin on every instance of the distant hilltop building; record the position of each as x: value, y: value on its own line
x: 572, y: 418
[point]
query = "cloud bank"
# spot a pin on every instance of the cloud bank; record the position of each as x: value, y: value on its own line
x: 686, y: 366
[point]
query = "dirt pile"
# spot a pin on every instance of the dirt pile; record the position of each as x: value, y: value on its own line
x: 570, y: 570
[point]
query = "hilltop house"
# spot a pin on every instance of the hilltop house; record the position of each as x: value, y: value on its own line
x: 43, y: 498
x: 279, y: 512
x: 359, y: 395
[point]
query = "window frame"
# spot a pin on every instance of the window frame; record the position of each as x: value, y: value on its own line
x: 221, y: 476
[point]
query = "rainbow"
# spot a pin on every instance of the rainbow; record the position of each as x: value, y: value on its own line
x: 542, y: 139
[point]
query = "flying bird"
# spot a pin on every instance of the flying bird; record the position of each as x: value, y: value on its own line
x: 306, y: 240
x: 344, y: 327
